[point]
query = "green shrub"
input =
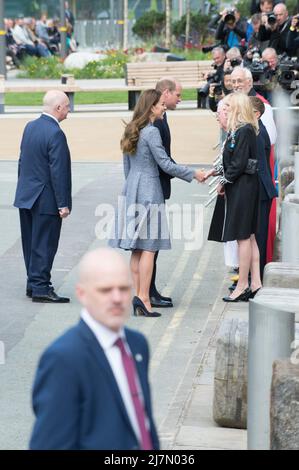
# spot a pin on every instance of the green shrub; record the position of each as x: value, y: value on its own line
x: 152, y: 23
x: 198, y: 24
x: 41, y: 67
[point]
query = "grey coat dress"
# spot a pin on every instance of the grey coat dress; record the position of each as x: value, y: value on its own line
x: 140, y: 221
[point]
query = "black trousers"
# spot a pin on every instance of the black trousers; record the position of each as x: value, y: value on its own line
x: 262, y: 235
x: 153, y: 289
x: 40, y: 237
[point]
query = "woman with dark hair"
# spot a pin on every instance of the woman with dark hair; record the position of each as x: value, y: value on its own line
x: 141, y: 224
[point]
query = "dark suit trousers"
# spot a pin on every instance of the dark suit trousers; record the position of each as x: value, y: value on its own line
x: 262, y: 235
x: 153, y: 289
x: 40, y: 237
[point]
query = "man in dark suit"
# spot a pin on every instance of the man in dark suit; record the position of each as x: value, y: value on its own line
x: 43, y: 194
x: 91, y: 389
x: 267, y: 188
x: 172, y: 92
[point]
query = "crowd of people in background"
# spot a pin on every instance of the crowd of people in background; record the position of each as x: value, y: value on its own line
x: 27, y: 36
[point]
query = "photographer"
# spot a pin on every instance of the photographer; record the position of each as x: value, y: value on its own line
x: 218, y: 91
x: 293, y: 37
x: 233, y: 59
x: 275, y: 27
x: 218, y: 55
x: 231, y: 28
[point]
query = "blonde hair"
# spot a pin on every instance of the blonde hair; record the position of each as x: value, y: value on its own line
x: 240, y: 112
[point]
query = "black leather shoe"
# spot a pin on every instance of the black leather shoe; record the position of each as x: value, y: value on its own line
x: 244, y: 296
x: 155, y: 294
x: 29, y: 293
x: 253, y: 294
x: 159, y: 302
x: 141, y: 310
x: 50, y: 298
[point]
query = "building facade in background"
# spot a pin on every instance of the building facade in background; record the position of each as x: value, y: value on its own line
x: 94, y: 9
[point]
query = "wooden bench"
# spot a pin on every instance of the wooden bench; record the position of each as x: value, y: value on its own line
x: 139, y: 76
x: 67, y: 85
x: 143, y: 75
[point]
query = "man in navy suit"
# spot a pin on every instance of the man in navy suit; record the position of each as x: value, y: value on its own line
x: 43, y: 194
x: 171, y: 91
x: 91, y: 389
x: 267, y: 188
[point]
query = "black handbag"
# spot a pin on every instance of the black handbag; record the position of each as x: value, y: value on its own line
x: 251, y: 167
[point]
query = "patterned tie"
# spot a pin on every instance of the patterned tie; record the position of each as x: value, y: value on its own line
x: 129, y: 366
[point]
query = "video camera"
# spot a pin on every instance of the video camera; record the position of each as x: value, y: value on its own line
x: 288, y: 72
x: 260, y: 70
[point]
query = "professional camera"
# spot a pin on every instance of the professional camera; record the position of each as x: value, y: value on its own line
x: 235, y: 62
x: 260, y: 70
x: 230, y: 17
x: 288, y: 72
x: 218, y: 89
x: 206, y: 49
x: 212, y: 78
x: 271, y: 18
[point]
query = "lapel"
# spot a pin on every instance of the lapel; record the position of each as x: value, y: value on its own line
x: 100, y: 357
x: 140, y: 367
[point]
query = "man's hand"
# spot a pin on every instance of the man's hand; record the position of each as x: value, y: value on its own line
x: 199, y: 175
x: 64, y: 212
x: 210, y: 173
x: 220, y: 190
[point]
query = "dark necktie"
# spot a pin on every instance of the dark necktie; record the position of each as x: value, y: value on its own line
x: 131, y: 373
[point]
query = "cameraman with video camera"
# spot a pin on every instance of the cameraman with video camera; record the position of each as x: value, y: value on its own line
x: 218, y: 55
x: 231, y: 28
x: 293, y: 37
x: 275, y: 27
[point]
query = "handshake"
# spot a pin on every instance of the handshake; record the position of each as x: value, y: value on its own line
x: 201, y: 176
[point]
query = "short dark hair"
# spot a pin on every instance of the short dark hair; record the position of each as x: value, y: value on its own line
x: 257, y: 104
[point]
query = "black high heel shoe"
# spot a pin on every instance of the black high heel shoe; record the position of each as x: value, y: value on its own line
x: 253, y: 293
x: 244, y: 296
x: 141, y: 310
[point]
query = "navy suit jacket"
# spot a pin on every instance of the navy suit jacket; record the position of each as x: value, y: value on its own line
x: 44, y: 168
x: 165, y: 179
x: 268, y: 190
x: 76, y: 399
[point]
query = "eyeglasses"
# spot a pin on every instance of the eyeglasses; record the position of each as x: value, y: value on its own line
x: 238, y: 80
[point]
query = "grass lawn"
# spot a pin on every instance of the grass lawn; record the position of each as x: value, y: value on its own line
x: 106, y: 97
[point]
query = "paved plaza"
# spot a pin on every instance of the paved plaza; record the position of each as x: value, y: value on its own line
x: 182, y: 341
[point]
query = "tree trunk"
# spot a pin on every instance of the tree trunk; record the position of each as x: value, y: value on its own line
x: 126, y: 25
x: 188, y: 12
x: 168, y: 23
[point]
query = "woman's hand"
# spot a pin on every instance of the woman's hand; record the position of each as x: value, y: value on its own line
x: 209, y: 173
x: 199, y: 175
x: 220, y: 190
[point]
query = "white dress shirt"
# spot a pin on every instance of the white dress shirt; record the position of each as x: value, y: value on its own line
x: 268, y: 121
x: 107, y: 339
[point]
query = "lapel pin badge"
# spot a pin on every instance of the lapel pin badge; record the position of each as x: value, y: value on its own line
x: 138, y: 357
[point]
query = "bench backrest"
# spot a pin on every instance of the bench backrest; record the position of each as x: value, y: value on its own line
x: 189, y: 72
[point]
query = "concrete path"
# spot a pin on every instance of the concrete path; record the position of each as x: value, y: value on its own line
x: 179, y: 340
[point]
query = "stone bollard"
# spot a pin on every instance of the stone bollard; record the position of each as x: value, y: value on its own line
x: 230, y: 379
x: 284, y: 411
x: 290, y: 229
x: 284, y: 275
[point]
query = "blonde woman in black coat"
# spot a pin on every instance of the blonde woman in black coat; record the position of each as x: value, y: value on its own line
x: 239, y: 185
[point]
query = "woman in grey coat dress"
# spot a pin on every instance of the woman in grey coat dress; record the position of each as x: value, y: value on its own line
x: 141, y: 223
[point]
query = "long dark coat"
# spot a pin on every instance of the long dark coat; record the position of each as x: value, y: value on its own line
x: 236, y: 214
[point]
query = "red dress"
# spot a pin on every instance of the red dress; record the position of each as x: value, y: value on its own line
x: 272, y: 216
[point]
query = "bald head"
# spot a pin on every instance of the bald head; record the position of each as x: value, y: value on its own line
x: 57, y: 104
x: 105, y: 287
x: 97, y: 264
x: 281, y: 13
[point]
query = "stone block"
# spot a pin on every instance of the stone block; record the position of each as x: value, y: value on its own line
x: 284, y: 411
x: 284, y: 275
x: 230, y: 379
